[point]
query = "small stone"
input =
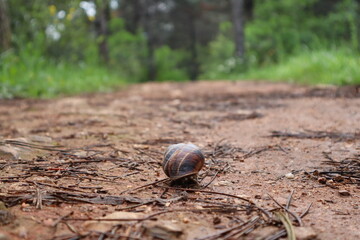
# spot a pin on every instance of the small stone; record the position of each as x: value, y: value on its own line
x: 4, y: 237
x: 186, y: 220
x: 339, y: 178
x: 223, y: 183
x: 257, y: 196
x: 24, y: 205
x: 290, y: 176
x: 322, y: 180
x: 344, y: 193
x: 216, y: 220
x: 49, y: 222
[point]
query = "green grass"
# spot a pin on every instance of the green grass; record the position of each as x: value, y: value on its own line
x: 39, y: 78
x: 337, y: 67
x: 35, y: 77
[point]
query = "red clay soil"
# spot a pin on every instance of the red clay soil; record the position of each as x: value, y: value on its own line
x: 100, y: 145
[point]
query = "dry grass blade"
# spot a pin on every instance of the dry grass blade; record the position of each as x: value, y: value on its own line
x: 262, y: 149
x: 215, y: 175
x: 284, y: 218
x: 146, y: 185
x: 240, y: 228
x: 317, y: 135
x: 211, y: 192
x: 289, y: 200
x: 306, y: 211
x: 282, y: 232
x: 298, y: 219
x: 346, y: 171
x: 152, y: 216
x: 277, y: 235
x: 245, y: 230
x: 33, y: 145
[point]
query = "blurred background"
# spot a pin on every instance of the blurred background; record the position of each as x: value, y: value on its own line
x: 55, y: 47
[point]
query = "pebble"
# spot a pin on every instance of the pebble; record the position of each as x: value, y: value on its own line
x: 216, y: 220
x: 223, y: 183
x: 4, y: 237
x: 344, y: 193
x: 186, y: 220
x: 290, y: 175
x: 322, y: 180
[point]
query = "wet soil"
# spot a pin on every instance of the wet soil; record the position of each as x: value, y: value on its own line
x: 115, y: 142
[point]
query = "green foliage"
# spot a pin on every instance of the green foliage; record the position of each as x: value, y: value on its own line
x: 291, y: 40
x: 168, y: 63
x: 337, y: 67
x: 28, y: 75
x: 218, y: 57
x: 43, y: 64
x: 128, y: 54
x: 284, y: 27
x: 127, y: 51
x: 56, y: 46
x: 77, y: 43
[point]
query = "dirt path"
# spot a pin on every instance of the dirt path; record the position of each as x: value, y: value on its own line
x: 118, y: 140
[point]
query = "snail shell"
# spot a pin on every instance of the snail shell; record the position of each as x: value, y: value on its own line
x: 183, y: 159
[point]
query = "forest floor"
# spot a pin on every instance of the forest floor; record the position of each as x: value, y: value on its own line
x: 265, y: 144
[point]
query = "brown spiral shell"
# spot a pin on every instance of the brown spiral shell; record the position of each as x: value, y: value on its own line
x: 182, y: 159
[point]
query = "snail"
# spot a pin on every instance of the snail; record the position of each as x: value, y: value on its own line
x: 182, y: 162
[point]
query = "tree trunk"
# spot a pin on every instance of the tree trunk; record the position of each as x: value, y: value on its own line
x: 238, y: 22
x: 150, y: 40
x: 130, y: 10
x: 194, y: 65
x: 5, y: 31
x: 102, y: 29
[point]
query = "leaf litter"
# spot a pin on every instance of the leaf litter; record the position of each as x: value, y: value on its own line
x: 87, y: 186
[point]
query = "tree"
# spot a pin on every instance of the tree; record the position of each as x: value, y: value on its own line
x: 185, y: 16
x: 5, y: 36
x: 102, y: 28
x: 194, y: 63
x: 130, y: 10
x: 147, y: 12
x: 238, y: 22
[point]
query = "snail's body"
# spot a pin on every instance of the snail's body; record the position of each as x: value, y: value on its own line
x: 183, y: 161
